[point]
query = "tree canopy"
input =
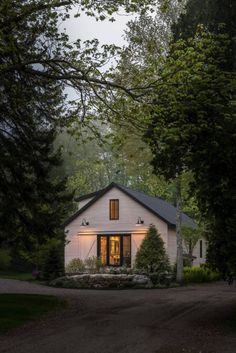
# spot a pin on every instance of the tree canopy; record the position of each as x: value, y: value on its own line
x: 37, y: 64
x: 193, y: 126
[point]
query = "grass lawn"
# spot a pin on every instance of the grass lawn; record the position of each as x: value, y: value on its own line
x: 22, y: 276
x: 17, y: 309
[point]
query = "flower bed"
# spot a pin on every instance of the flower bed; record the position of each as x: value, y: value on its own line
x: 103, y: 281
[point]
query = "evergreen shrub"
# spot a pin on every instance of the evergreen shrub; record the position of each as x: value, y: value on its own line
x: 151, y: 258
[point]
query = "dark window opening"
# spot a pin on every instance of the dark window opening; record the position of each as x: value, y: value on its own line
x: 200, y: 248
x: 114, y: 210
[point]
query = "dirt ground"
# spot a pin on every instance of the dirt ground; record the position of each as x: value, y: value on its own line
x: 187, y: 319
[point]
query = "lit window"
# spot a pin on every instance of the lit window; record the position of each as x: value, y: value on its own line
x: 114, y: 250
x: 114, y: 209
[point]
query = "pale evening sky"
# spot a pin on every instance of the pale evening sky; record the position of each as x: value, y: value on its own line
x: 106, y: 32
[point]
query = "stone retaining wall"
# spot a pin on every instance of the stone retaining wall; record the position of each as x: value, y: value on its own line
x: 102, y: 281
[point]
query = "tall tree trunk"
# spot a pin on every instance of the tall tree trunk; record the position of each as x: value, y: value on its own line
x: 179, y: 259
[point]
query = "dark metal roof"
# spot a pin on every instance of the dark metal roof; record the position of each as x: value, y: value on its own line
x: 87, y: 196
x: 160, y: 207
x: 156, y: 205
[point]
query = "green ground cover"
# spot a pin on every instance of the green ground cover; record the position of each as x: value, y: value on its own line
x: 17, y: 309
x: 22, y: 276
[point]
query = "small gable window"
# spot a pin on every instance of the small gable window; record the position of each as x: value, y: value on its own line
x: 114, y: 209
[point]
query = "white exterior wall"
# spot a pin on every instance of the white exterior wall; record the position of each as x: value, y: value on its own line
x: 83, y: 240
x: 196, y: 252
x: 172, y: 249
x: 172, y: 245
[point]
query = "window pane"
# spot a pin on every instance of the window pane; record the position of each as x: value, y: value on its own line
x: 114, y: 252
x: 127, y: 250
x: 114, y: 209
x: 103, y: 250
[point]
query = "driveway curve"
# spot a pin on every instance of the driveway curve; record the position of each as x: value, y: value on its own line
x: 186, y: 319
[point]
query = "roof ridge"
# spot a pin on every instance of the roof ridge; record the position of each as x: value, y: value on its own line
x: 142, y: 192
x: 87, y: 196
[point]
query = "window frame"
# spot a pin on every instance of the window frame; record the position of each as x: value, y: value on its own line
x: 99, y: 236
x: 117, y: 201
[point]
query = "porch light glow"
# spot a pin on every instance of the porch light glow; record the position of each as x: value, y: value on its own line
x: 84, y: 223
x: 139, y: 221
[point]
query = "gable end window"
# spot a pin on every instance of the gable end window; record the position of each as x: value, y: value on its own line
x: 114, y: 210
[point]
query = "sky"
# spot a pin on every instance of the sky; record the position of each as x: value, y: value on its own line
x: 87, y: 28
x: 106, y: 32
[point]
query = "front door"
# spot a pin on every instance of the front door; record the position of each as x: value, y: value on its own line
x: 114, y: 250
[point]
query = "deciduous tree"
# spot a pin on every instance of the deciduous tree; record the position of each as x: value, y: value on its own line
x: 37, y: 64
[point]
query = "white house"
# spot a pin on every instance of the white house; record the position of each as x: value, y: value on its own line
x: 111, y: 223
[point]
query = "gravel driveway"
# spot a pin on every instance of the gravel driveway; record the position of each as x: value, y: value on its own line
x: 128, y: 321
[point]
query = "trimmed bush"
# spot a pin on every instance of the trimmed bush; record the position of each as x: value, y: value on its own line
x: 75, y: 266
x: 117, y: 270
x: 93, y: 264
x: 152, y: 259
x: 103, y: 281
x: 200, y: 275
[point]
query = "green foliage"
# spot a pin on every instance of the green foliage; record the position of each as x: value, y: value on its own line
x: 101, y: 281
x: 190, y: 238
x: 90, y: 265
x: 38, y: 63
x: 13, y: 274
x: 32, y: 205
x: 215, y: 159
x: 212, y: 14
x: 93, y: 264
x: 193, y: 128
x: 5, y: 259
x: 51, y: 259
x: 96, y: 168
x: 124, y: 159
x: 75, y: 266
x: 117, y: 270
x: 151, y: 257
x: 200, y: 274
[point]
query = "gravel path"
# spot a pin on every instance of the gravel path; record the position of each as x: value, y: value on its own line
x: 128, y: 321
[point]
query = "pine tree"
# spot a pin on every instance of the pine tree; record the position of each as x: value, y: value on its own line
x: 151, y: 256
x: 53, y: 264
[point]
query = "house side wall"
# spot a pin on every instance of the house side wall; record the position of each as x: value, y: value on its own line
x: 172, y: 245
x: 83, y: 240
x: 172, y: 249
x: 196, y: 252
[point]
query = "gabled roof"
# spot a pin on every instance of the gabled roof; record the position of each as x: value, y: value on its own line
x: 156, y: 205
x: 87, y: 196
